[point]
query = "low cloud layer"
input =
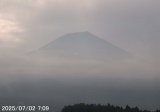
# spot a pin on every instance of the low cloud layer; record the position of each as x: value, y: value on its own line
x: 55, y: 81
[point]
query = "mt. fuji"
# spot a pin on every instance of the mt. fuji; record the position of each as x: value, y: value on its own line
x: 82, y: 45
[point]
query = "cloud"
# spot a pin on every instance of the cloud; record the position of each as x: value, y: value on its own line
x: 130, y: 24
x: 28, y: 25
x: 7, y: 31
x: 57, y: 80
x: 14, y: 15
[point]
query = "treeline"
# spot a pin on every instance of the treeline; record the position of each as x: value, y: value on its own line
x: 101, y: 108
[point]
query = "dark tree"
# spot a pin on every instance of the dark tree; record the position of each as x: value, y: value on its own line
x: 100, y: 108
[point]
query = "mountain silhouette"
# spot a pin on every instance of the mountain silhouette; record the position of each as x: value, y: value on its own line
x: 83, y: 45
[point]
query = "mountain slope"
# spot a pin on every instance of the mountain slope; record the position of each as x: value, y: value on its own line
x: 83, y: 45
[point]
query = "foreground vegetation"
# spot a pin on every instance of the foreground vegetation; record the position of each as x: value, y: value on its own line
x: 101, y: 108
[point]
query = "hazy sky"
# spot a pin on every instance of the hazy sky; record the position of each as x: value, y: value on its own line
x: 26, y: 25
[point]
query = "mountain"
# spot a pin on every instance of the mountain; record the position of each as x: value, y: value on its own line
x: 82, y: 45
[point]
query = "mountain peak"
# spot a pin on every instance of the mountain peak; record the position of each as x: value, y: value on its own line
x: 79, y: 34
x: 85, y: 32
x: 83, y: 44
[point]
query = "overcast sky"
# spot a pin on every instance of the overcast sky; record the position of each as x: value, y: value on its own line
x: 26, y: 25
x: 133, y: 25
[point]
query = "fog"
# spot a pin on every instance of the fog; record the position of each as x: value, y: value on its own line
x: 39, y: 80
x: 26, y: 26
